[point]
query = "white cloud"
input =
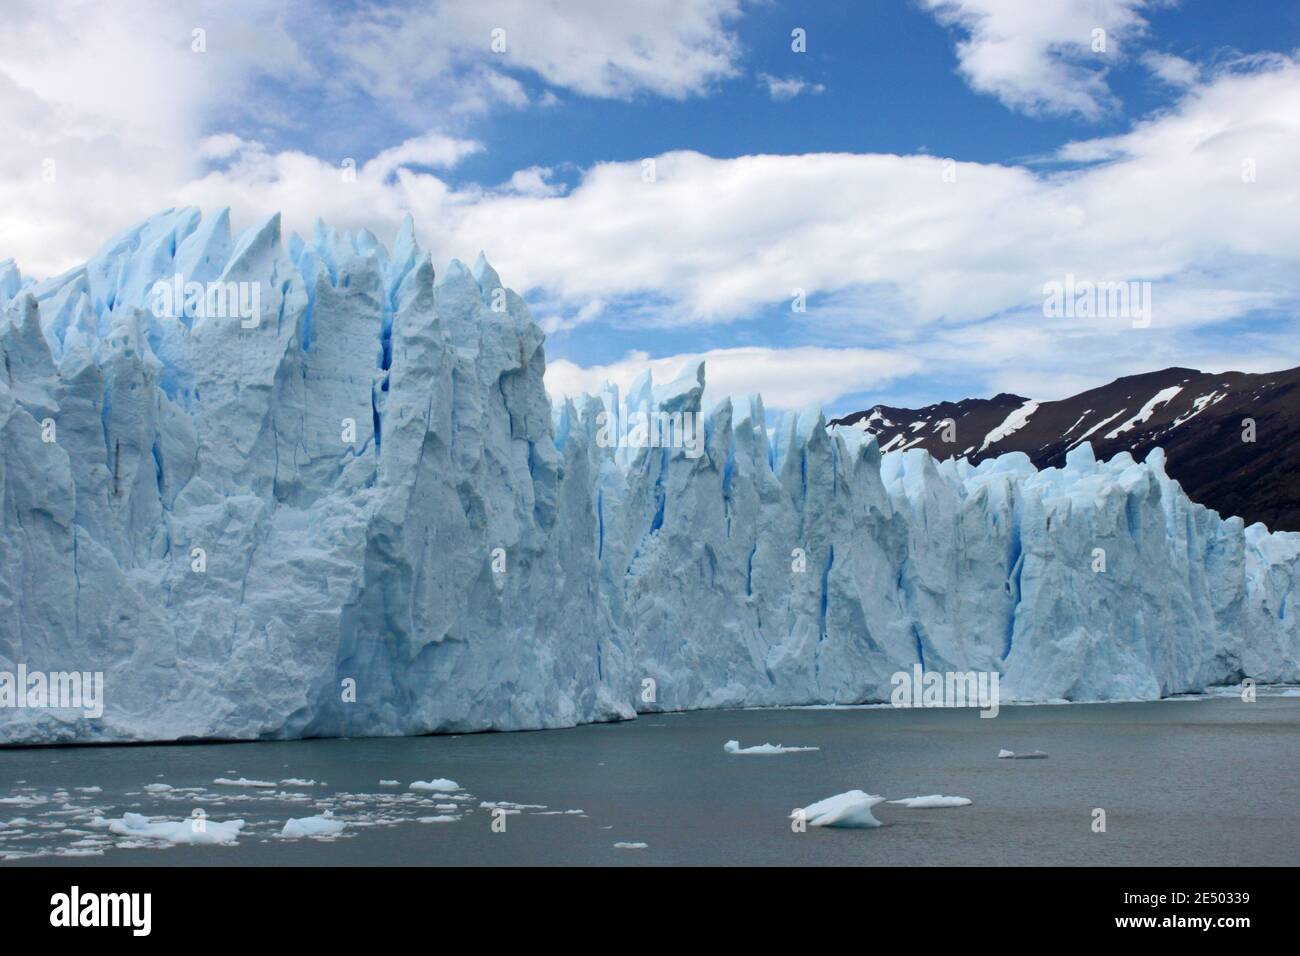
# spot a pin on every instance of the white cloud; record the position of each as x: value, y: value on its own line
x: 717, y: 239
x: 116, y: 102
x: 533, y: 181
x: 671, y: 48
x: 786, y: 378
x: 1173, y: 70
x: 1040, y: 56
x: 787, y: 88
x: 432, y: 149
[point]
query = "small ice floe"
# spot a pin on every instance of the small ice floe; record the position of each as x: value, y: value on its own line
x: 390, y: 783
x: 323, y: 825
x: 90, y: 790
x: 244, y: 782
x: 1032, y: 755
x: 932, y: 802
x: 440, y: 818
x: 440, y: 785
x: 297, y: 782
x: 23, y: 800
x: 192, y: 831
x: 849, y: 809
x: 158, y: 788
x: 733, y: 747
x: 630, y: 846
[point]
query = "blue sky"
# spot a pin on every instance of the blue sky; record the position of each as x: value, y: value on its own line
x: 776, y: 171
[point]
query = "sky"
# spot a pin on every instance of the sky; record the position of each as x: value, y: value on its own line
x: 834, y: 204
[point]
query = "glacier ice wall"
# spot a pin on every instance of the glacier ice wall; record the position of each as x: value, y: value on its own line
x: 360, y: 515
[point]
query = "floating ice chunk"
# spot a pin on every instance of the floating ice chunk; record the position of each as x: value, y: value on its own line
x: 932, y: 802
x: 849, y: 809
x: 733, y: 747
x: 192, y: 831
x: 243, y: 782
x: 323, y: 825
x: 158, y: 787
x: 1032, y: 755
x: 296, y: 782
x: 630, y: 846
x: 390, y: 783
x: 1006, y: 753
x: 441, y: 784
x: 90, y: 789
x: 440, y: 818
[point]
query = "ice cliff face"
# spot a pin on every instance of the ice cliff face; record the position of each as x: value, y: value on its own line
x: 355, y: 512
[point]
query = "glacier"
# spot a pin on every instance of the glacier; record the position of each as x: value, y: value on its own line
x: 361, y: 514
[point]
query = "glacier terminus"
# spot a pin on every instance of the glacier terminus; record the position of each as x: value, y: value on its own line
x: 342, y: 503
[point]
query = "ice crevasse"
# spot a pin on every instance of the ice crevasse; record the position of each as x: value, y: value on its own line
x: 196, y: 527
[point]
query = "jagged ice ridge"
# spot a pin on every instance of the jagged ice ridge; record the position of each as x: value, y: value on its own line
x: 372, y: 561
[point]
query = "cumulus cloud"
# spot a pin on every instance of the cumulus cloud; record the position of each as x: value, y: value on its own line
x: 1042, y: 56
x: 1170, y: 69
x: 787, y: 88
x: 672, y: 48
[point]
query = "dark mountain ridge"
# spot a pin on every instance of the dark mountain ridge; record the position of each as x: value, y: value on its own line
x: 1204, y: 421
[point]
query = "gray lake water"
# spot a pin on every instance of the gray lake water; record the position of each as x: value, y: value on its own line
x: 1201, y: 781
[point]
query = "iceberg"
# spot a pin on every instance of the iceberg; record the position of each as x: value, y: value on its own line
x: 850, y: 809
x: 733, y: 747
x: 933, y: 802
x: 321, y: 826
x: 178, y: 832
x: 359, y: 513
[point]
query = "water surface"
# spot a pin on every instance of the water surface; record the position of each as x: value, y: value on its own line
x: 1207, y: 781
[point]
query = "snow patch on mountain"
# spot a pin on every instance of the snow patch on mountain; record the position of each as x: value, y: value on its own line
x: 1163, y: 397
x: 1014, y: 422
